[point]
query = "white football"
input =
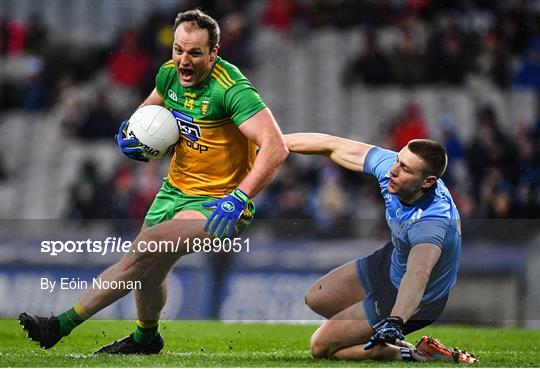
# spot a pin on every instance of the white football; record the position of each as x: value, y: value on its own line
x: 155, y: 128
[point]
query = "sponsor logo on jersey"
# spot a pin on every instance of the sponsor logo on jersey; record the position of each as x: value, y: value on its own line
x: 187, y: 127
x: 173, y: 95
x: 190, y: 130
x: 204, y: 106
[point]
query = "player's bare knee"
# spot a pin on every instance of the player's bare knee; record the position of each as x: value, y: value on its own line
x: 307, y: 299
x: 319, y: 348
x: 310, y: 298
x: 314, y: 301
x: 137, y: 262
x: 318, y: 351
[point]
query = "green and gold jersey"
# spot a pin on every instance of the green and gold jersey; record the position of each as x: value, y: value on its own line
x: 212, y: 156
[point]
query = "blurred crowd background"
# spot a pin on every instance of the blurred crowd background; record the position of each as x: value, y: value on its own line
x: 79, y: 68
x: 464, y: 72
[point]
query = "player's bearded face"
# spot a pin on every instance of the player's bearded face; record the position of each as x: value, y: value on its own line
x: 191, y: 54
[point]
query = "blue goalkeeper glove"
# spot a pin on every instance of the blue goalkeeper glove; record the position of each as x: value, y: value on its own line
x: 227, y: 212
x: 129, y: 146
x: 388, y: 330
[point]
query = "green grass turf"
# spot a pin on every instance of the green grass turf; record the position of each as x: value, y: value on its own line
x: 216, y: 344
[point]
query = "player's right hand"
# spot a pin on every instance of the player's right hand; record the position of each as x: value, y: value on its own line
x: 129, y: 146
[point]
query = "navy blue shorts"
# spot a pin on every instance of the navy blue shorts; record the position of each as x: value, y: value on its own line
x: 374, y: 274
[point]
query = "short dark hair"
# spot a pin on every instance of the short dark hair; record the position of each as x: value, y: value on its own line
x: 202, y: 20
x: 433, y: 154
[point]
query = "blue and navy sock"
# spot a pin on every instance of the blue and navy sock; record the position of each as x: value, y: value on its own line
x: 406, y: 354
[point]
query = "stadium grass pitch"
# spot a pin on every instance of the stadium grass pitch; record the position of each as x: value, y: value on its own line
x: 217, y: 344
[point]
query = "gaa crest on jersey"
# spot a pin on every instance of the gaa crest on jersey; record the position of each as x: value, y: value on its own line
x: 205, y: 104
x: 173, y: 95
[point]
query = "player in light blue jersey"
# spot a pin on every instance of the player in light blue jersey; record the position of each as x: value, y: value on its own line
x: 373, y: 302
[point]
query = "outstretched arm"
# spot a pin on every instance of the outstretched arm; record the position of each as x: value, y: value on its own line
x: 346, y: 153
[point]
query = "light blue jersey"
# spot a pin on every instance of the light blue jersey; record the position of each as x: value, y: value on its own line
x: 433, y: 219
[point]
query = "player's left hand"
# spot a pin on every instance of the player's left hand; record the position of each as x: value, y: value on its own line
x: 226, y: 214
x: 388, y: 330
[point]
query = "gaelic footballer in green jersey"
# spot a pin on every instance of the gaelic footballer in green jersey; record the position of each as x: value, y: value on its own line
x: 222, y: 121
